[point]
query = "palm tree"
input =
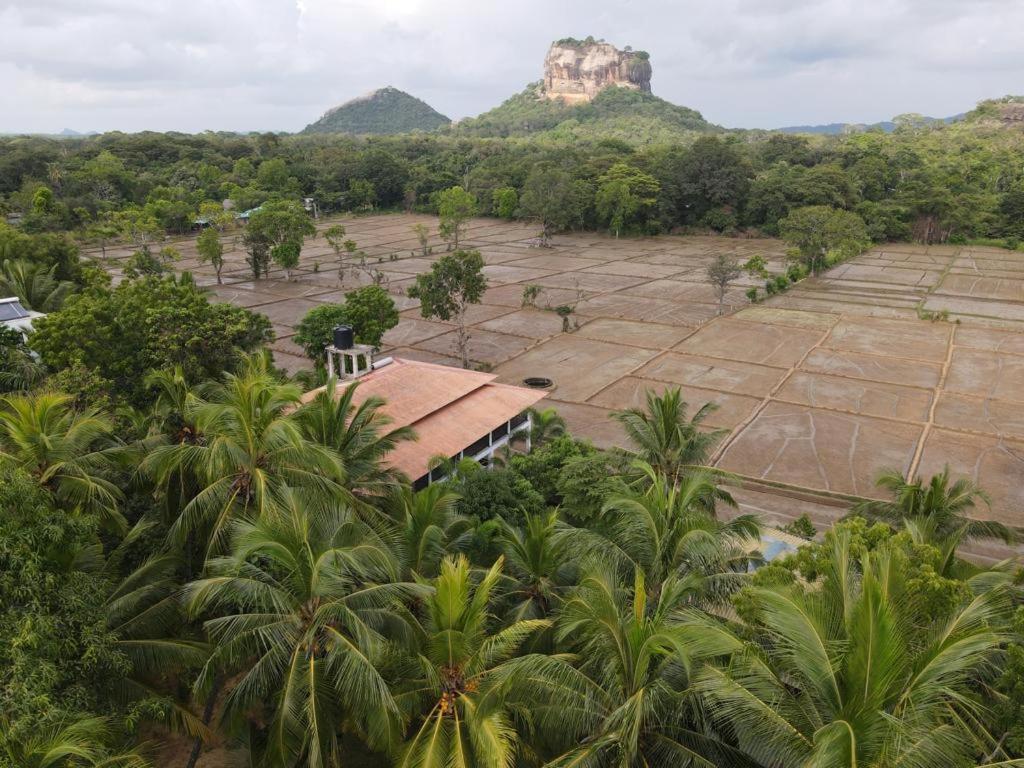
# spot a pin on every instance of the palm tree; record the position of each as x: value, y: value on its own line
x: 252, y: 448
x: 65, y: 450
x: 144, y: 616
x: 540, y: 563
x: 427, y: 523
x: 356, y: 432
x: 630, y: 701
x: 64, y: 743
x: 937, y: 512
x: 298, y: 609
x: 667, y: 529
x: 665, y: 438
x: 546, y: 425
x: 464, y: 670
x: 839, y: 675
x: 33, y: 284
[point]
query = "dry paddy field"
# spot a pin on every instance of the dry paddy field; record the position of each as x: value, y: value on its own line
x: 820, y: 388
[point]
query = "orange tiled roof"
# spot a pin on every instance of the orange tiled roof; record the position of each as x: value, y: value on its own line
x: 449, y: 408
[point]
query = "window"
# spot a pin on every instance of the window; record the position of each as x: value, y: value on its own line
x: 421, y: 483
x: 499, y: 433
x: 480, y: 445
x: 518, y: 421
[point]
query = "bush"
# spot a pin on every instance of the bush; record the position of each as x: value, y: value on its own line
x: 752, y: 295
x: 719, y: 219
x: 542, y: 467
x: 586, y: 482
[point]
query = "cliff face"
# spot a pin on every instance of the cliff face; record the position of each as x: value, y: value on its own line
x: 576, y: 71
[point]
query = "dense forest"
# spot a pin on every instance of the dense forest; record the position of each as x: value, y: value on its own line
x: 926, y: 182
x: 198, y: 567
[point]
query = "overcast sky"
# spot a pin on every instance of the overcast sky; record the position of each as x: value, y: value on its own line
x: 192, y: 65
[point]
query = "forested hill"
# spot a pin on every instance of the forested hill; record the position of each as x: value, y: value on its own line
x: 616, y: 113
x: 387, y: 110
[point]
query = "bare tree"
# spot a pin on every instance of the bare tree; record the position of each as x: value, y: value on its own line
x: 722, y: 271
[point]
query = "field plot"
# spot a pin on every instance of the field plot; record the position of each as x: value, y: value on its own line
x: 819, y: 388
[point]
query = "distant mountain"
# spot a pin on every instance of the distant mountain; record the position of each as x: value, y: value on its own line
x: 617, y: 113
x: 835, y: 129
x: 387, y: 110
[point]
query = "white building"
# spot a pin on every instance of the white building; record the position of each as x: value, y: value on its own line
x: 13, y: 315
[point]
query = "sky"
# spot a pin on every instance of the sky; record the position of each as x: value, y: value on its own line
x: 241, y: 65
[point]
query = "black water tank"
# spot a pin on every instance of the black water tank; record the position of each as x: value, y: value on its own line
x: 343, y: 338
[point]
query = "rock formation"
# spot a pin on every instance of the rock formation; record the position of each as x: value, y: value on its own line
x: 576, y: 70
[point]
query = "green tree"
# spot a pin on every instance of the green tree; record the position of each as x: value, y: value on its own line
x: 286, y: 255
x: 837, y: 674
x: 35, y: 285
x: 631, y: 701
x: 369, y: 310
x: 938, y: 512
x: 428, y: 524
x: 64, y: 451
x: 626, y: 197
x: 274, y: 224
x: 454, y: 282
x: 465, y: 665
x: 356, y: 428
x: 252, y: 450
x: 296, y: 610
x: 665, y: 437
x: 455, y: 207
x: 822, y: 235
x: 143, y: 325
x: 664, y: 528
x: 56, y: 658
x: 505, y: 202
x: 65, y: 743
x: 211, y: 250
x: 548, y: 198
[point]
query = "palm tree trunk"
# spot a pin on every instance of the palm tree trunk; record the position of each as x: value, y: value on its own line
x: 197, y: 745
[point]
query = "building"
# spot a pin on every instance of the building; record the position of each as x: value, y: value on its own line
x: 16, y: 317
x: 454, y: 412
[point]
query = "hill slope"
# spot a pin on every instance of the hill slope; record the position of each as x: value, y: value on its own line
x: 618, y: 113
x: 387, y: 110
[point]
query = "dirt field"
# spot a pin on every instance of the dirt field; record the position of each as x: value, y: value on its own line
x: 821, y: 387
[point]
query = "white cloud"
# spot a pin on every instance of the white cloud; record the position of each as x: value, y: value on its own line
x: 277, y: 64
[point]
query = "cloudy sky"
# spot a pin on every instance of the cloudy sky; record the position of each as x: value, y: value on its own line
x: 193, y: 65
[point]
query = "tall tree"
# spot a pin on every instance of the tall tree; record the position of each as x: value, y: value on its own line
x: 297, y: 609
x: 464, y: 666
x: 547, y: 198
x: 664, y: 436
x: 454, y: 282
x: 631, y: 702
x: 721, y: 272
x: 211, y: 250
x: 356, y: 428
x: 66, y: 451
x: 939, y: 511
x: 455, y: 207
x: 626, y: 197
x: 252, y: 450
x: 820, y: 234
x: 838, y: 674
x: 274, y: 224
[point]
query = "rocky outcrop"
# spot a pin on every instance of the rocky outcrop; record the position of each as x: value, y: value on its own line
x: 577, y: 70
